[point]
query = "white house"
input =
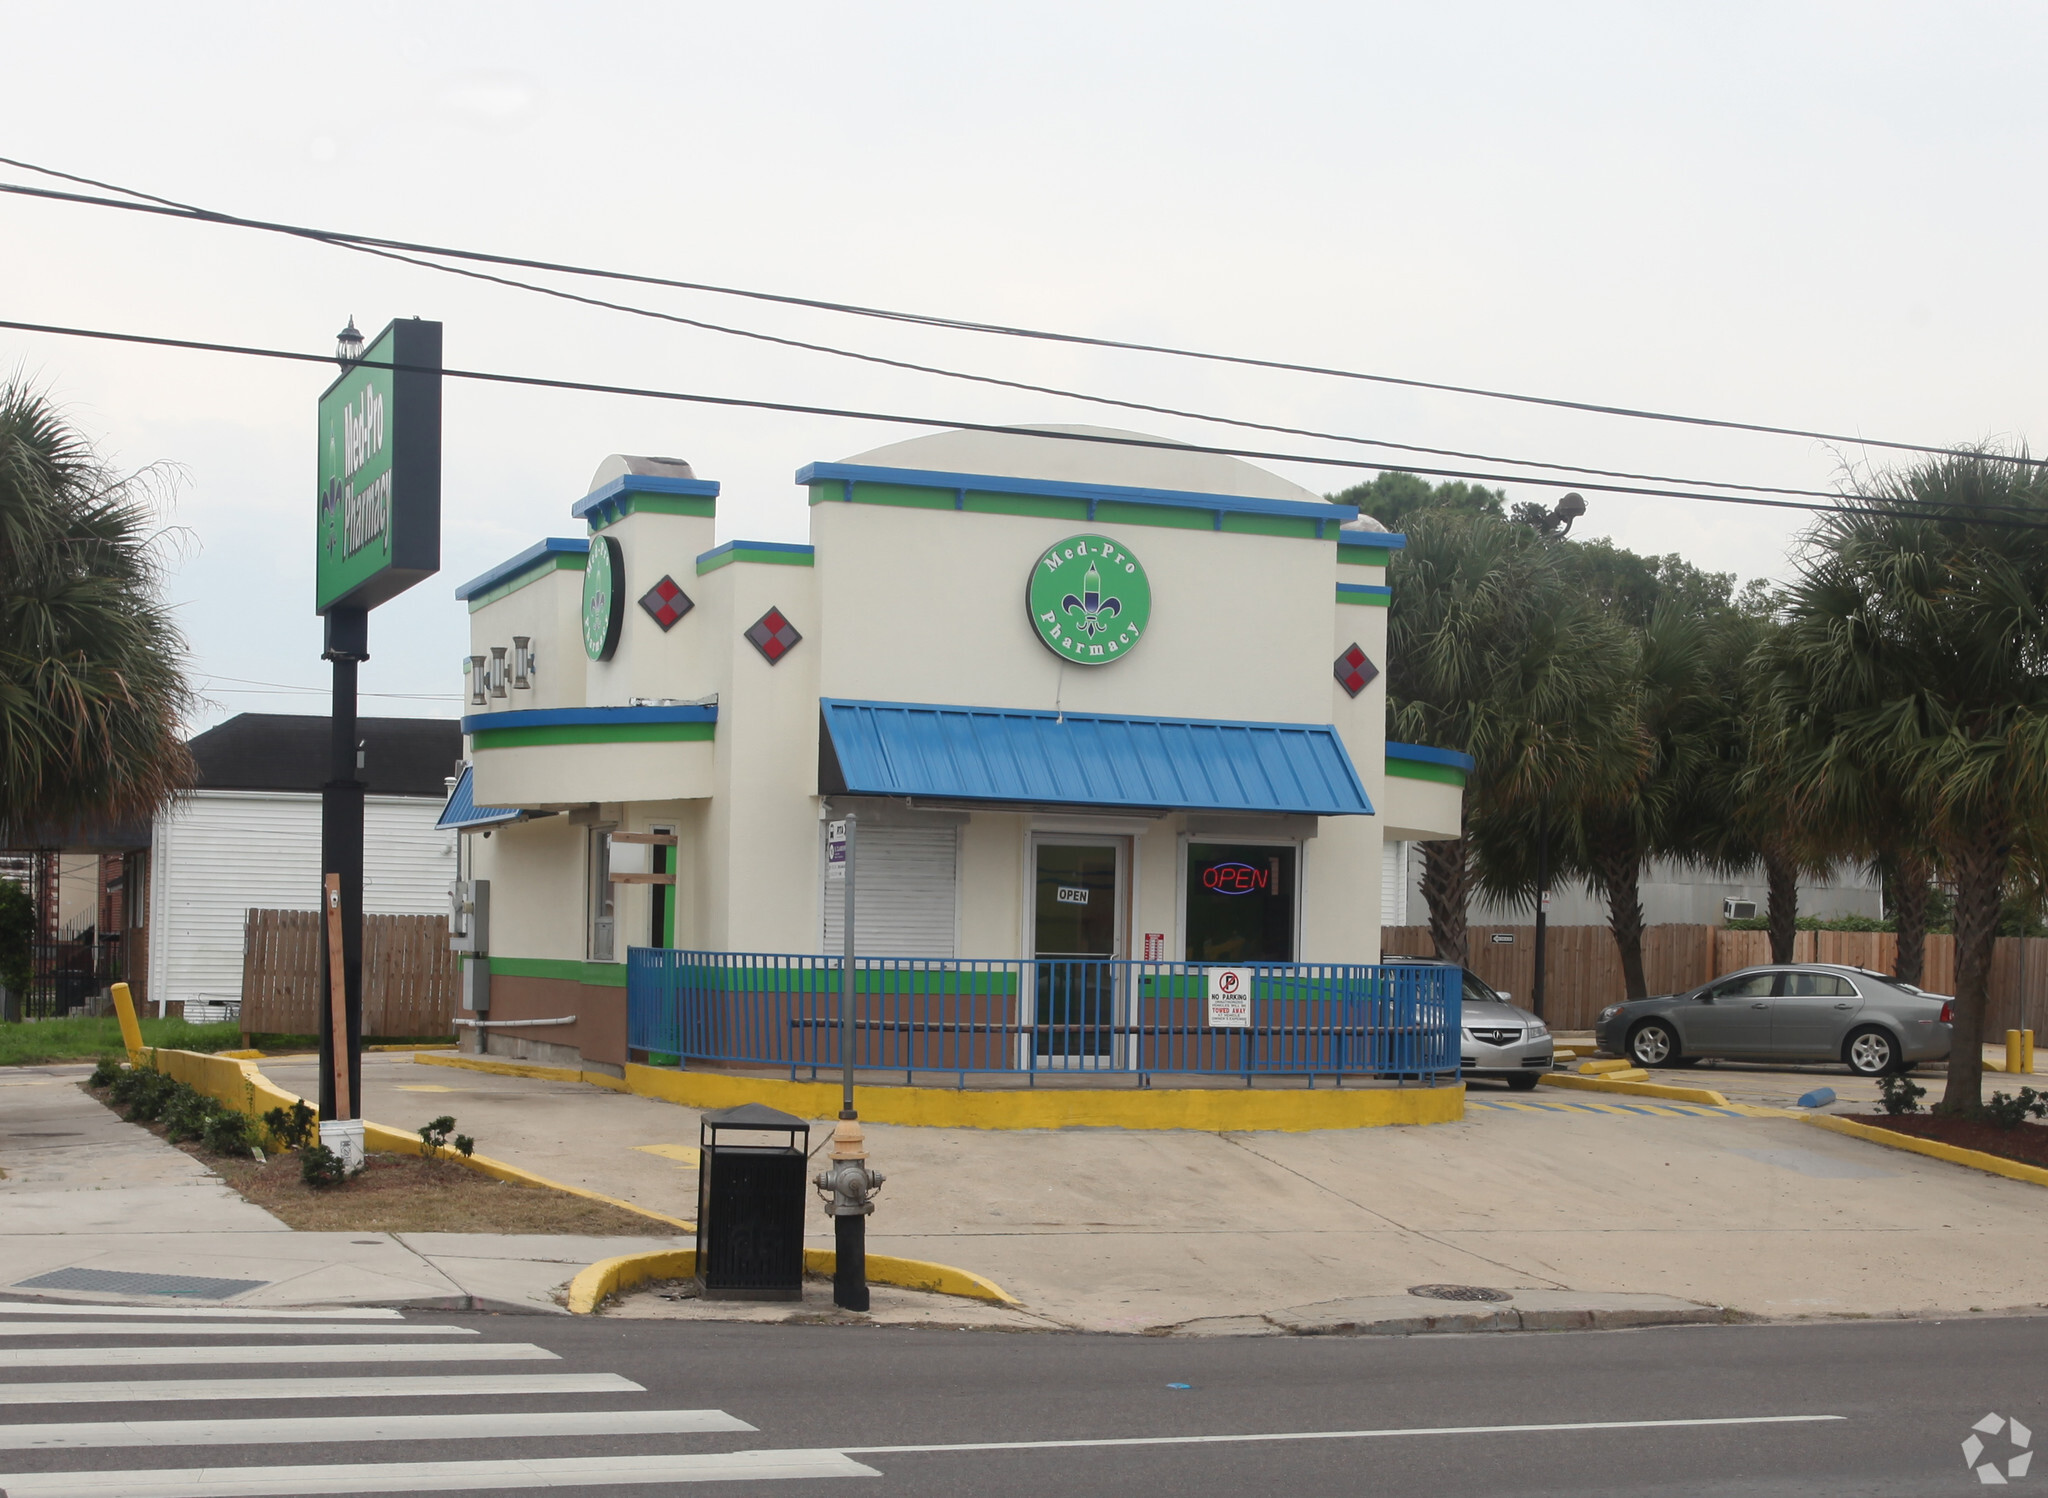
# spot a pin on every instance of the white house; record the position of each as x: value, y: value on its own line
x: 248, y: 837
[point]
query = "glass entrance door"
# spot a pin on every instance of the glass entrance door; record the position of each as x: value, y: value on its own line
x: 1077, y: 920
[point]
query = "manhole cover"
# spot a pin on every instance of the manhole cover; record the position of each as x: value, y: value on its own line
x: 120, y: 1282
x: 1458, y: 1292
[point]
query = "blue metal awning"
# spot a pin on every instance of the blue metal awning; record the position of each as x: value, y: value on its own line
x: 462, y: 814
x: 1086, y: 759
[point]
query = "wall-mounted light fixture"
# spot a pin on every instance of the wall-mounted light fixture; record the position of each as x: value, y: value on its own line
x: 525, y: 663
x: 478, y: 685
x: 498, y: 672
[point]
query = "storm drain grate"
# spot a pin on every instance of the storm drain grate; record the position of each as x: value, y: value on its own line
x: 121, y: 1282
x: 1458, y: 1292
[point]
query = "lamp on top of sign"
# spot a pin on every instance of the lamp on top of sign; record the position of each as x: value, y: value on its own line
x: 1230, y: 998
x: 379, y: 470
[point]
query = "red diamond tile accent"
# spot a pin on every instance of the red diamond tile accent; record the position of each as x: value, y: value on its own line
x: 666, y: 603
x: 1355, y: 671
x: 773, y: 635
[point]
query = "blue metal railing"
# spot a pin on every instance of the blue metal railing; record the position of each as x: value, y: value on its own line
x: 1026, y: 1016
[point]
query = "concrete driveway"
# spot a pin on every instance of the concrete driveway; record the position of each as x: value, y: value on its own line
x: 1545, y: 1191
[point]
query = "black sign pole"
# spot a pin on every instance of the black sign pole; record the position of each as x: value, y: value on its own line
x: 1536, y: 989
x: 341, y: 854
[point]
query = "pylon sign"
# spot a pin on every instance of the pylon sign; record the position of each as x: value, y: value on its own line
x: 380, y: 470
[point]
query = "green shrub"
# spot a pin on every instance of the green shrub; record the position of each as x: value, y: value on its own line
x: 148, y: 1094
x: 321, y: 1167
x: 464, y: 1146
x: 434, y: 1136
x: 230, y: 1133
x: 1900, y: 1094
x: 2011, y: 1112
x: 108, y: 1070
x: 188, y: 1114
x: 293, y: 1130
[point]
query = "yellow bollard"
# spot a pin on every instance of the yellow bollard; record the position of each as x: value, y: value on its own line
x: 2027, y: 1052
x: 131, y: 1031
x: 2015, y: 1051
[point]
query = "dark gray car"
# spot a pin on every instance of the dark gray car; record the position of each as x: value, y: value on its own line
x: 1804, y: 1011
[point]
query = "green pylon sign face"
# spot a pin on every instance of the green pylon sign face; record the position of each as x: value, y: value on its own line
x: 1089, y: 599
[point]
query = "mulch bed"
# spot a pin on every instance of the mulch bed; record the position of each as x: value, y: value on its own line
x: 2027, y: 1144
x: 410, y: 1194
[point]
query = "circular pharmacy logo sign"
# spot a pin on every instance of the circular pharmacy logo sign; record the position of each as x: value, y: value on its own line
x: 1089, y: 600
x: 604, y: 606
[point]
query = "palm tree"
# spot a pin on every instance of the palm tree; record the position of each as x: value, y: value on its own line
x: 92, y: 670
x: 1917, y: 652
x: 1493, y: 652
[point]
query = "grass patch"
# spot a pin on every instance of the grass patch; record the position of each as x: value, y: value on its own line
x: 37, y: 1042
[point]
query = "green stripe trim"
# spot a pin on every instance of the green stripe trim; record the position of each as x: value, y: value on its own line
x: 1409, y: 769
x: 1060, y: 507
x: 744, y: 554
x: 1363, y: 556
x: 554, y: 562
x: 594, y: 974
x: 639, y: 502
x: 1372, y: 598
x: 592, y: 733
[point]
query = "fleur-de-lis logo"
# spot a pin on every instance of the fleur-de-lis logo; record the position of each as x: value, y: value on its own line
x: 1094, y: 609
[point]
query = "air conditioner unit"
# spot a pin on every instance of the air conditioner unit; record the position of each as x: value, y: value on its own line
x: 1738, y: 910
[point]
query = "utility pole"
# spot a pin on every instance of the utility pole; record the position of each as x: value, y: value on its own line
x: 1542, y: 901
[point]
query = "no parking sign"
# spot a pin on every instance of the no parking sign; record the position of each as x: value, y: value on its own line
x: 1230, y: 998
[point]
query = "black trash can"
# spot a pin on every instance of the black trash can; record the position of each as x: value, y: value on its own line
x: 750, y: 1205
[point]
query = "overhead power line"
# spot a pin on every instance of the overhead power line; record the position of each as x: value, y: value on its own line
x: 1867, y: 504
x: 156, y: 204
x: 361, y: 246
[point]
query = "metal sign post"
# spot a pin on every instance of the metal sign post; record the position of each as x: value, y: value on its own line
x: 846, y: 973
x: 377, y: 532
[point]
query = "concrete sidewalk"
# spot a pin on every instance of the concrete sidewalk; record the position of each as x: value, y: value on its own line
x: 91, y: 1205
x: 1605, y: 1198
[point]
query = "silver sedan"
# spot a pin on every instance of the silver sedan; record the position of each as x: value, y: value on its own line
x: 1805, y: 1011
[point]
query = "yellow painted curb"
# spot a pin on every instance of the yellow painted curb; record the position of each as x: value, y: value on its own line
x: 1211, y: 1110
x: 521, y: 1069
x: 608, y: 1277
x: 1595, y: 1068
x: 1933, y: 1148
x: 1664, y: 1090
x: 240, y: 1055
x: 446, y: 1045
x: 239, y: 1085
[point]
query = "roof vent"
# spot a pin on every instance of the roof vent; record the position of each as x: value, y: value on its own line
x: 618, y: 465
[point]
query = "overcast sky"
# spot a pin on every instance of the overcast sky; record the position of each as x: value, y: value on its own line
x: 1822, y: 216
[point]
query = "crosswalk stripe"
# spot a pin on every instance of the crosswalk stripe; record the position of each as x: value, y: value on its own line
x: 155, y: 1313
x: 237, y: 1329
x: 75, y: 1435
x: 359, y: 1352
x: 434, y: 1477
x: 229, y: 1390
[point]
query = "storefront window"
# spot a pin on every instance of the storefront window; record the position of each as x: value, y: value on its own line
x: 1240, y: 903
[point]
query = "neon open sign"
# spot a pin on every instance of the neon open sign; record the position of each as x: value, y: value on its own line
x: 1235, y: 879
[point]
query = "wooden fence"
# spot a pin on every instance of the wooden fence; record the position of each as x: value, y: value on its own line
x: 409, y: 975
x: 1583, y: 970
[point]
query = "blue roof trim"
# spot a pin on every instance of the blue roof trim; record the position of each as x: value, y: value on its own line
x: 462, y: 813
x: 588, y: 717
x: 1423, y: 754
x: 719, y: 551
x: 1181, y: 499
x: 504, y: 572
x: 1367, y: 590
x: 1091, y: 759
x: 641, y: 483
x: 1383, y: 540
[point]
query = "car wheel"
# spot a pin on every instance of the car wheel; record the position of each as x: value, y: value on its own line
x: 1652, y: 1043
x: 1871, y: 1053
x: 1524, y: 1081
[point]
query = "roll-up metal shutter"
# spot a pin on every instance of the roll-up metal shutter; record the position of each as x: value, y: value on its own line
x: 1393, y: 884
x: 904, y: 893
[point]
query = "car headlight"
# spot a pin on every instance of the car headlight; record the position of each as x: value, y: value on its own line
x: 1536, y: 1031
x: 1609, y: 1012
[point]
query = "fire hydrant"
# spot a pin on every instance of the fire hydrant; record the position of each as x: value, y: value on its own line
x: 847, y: 1186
